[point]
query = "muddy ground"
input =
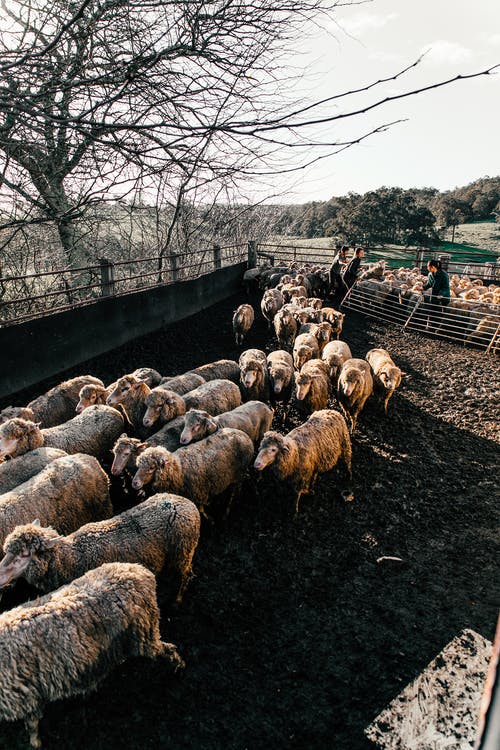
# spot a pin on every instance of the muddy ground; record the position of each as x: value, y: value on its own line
x: 294, y: 636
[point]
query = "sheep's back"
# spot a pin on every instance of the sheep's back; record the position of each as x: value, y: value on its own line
x: 18, y: 470
x: 215, y: 396
x: 94, y: 431
x: 59, y: 404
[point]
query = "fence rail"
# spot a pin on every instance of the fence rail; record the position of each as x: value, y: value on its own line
x: 35, y: 295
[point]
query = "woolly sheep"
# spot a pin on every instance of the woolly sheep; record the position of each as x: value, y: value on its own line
x: 67, y: 642
x: 93, y: 431
x: 254, y: 378
x: 216, y: 396
x: 280, y: 369
x: 126, y: 449
x: 68, y: 492
x: 253, y: 418
x: 162, y: 531
x: 335, y: 354
x: 305, y: 347
x: 285, y: 327
x: 222, y: 369
x: 90, y: 395
x: 310, y: 449
x: 130, y: 393
x: 271, y: 302
x: 54, y: 407
x: 182, y: 384
x: 354, y: 387
x: 199, y: 471
x: 242, y: 322
x: 386, y: 376
x: 335, y: 318
x: 22, y: 468
x: 313, y: 386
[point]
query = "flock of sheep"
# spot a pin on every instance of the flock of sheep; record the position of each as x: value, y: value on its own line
x: 191, y: 441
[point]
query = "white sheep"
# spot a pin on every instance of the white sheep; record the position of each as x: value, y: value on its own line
x: 335, y: 354
x: 386, y: 376
x: 254, y: 418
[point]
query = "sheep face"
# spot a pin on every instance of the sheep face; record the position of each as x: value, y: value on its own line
x: 303, y: 385
x: 124, y: 387
x: 154, y: 404
x: 350, y: 380
x: 124, y: 448
x: 269, y: 449
x: 324, y: 332
x: 302, y: 355
x: 150, y: 462
x: 12, y: 432
x: 390, y: 377
x: 250, y: 374
x: 25, y: 547
x: 196, y: 421
x: 88, y: 397
x: 278, y: 379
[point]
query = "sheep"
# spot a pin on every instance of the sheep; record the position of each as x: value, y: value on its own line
x: 253, y: 418
x: 222, y: 369
x: 67, y: 642
x: 91, y: 395
x: 335, y: 318
x: 313, y: 385
x: 54, y: 407
x: 335, y: 354
x: 242, y: 322
x: 93, y: 431
x: 313, y: 448
x: 305, y: 347
x: 386, y: 376
x: 280, y: 369
x: 271, y: 302
x: 68, y: 492
x: 285, y: 327
x: 148, y: 375
x: 254, y: 378
x: 307, y: 315
x: 163, y: 530
x: 216, y: 396
x: 199, y: 471
x: 131, y: 393
x: 22, y: 468
x: 354, y: 387
x: 324, y: 334
x: 182, y: 384
x: 308, y: 328
x: 126, y: 449
x: 315, y: 302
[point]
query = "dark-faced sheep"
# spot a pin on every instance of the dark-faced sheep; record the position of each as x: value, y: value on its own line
x: 386, y: 376
x: 199, y: 471
x: 160, y: 532
x: 22, y: 468
x: 305, y: 348
x: 310, y: 449
x: 285, y: 327
x: 67, y: 642
x: 242, y: 322
x: 254, y: 378
x: 222, y: 369
x: 312, y: 386
x: 272, y: 301
x: 335, y: 354
x: 354, y: 387
x: 54, y: 407
x: 94, y: 431
x: 280, y: 369
x: 216, y: 396
x: 70, y: 491
x: 253, y: 418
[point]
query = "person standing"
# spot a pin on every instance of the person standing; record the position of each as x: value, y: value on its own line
x: 337, y: 286
x: 352, y: 271
x: 438, y: 282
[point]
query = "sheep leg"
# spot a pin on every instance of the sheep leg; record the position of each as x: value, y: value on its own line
x: 300, y: 492
x: 32, y: 725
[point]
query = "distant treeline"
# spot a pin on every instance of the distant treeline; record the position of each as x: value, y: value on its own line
x: 393, y: 215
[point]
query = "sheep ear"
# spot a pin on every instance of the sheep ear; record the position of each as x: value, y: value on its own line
x: 286, y: 448
x: 52, y: 542
x: 143, y: 446
x: 35, y: 426
x: 36, y: 522
x: 212, y: 424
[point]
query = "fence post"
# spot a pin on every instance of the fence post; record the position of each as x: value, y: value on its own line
x: 174, y: 267
x: 217, y: 256
x: 419, y: 258
x: 252, y: 254
x: 107, y: 277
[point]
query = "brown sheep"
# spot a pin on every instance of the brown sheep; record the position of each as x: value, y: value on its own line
x: 199, y: 471
x: 335, y: 354
x: 313, y: 386
x: 335, y: 318
x: 90, y: 395
x: 271, y: 303
x: 310, y: 449
x: 126, y: 449
x: 354, y: 387
x: 93, y: 431
x: 285, y: 327
x: 222, y: 369
x: 54, y: 407
x: 242, y: 322
x: 131, y: 393
x: 305, y: 347
x: 162, y: 531
x: 254, y: 418
x: 281, y: 371
x: 68, y: 492
x: 67, y: 642
x: 254, y: 378
x: 22, y: 468
x: 216, y: 396
x: 386, y: 376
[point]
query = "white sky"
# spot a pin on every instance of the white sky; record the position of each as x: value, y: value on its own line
x: 453, y: 134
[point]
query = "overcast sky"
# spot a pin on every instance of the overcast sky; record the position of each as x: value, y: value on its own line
x: 452, y: 135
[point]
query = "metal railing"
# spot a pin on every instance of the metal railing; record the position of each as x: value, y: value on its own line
x: 476, y: 324
x: 36, y: 295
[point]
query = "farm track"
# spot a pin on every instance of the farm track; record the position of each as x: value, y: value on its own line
x: 293, y: 635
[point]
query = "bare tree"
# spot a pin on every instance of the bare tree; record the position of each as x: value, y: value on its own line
x: 99, y: 97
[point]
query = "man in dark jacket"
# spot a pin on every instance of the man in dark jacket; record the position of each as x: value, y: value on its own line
x: 351, y: 273
x: 438, y: 282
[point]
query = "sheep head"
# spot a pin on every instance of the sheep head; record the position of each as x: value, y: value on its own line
x: 160, y: 402
x: 89, y: 396
x: 26, y: 546
x: 351, y: 379
x: 197, y: 421
x: 271, y: 447
x: 390, y: 377
x: 126, y: 387
x: 301, y: 355
x: 10, y: 412
x: 13, y: 432
x: 251, y: 372
x: 150, y: 462
x: 124, y: 449
x: 303, y: 382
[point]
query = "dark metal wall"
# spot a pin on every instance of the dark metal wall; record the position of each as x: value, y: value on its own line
x: 38, y: 349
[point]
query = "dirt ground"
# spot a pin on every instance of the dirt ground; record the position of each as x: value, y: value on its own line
x: 294, y: 636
